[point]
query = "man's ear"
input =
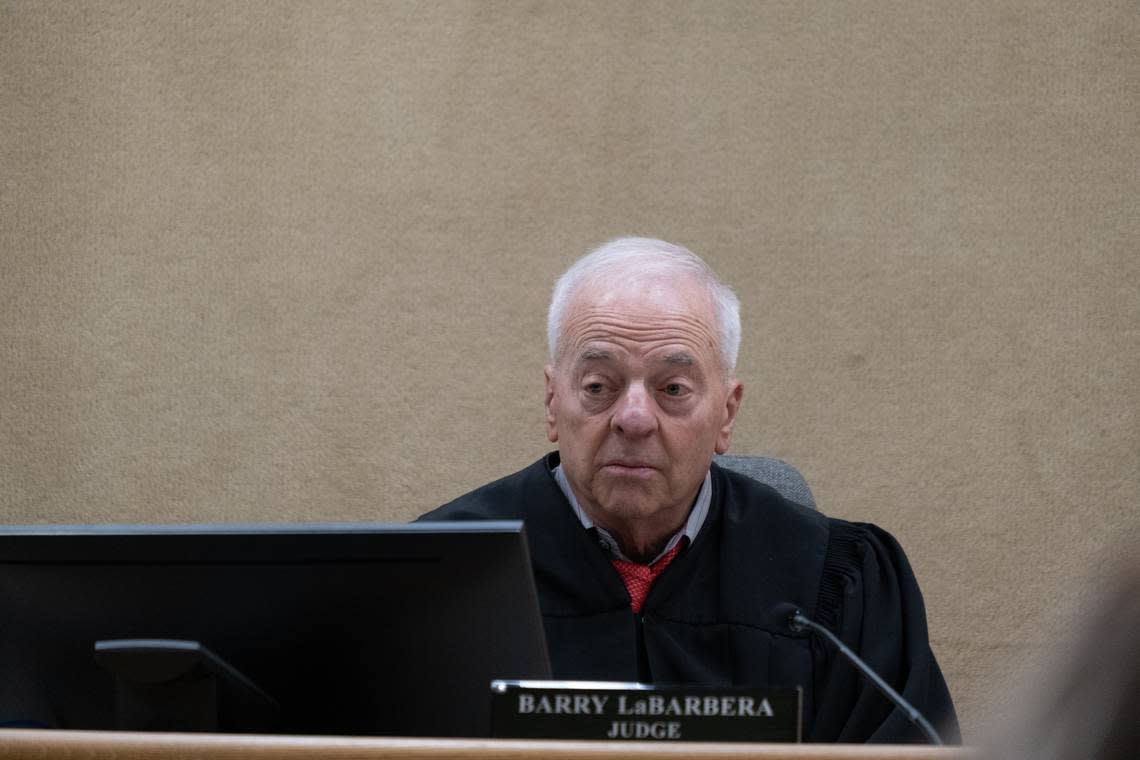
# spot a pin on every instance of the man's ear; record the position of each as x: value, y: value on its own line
x: 731, y: 406
x: 551, y: 419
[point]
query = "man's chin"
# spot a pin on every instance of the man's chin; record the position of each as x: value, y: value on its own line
x: 630, y: 504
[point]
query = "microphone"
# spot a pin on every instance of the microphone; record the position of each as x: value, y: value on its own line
x: 797, y: 622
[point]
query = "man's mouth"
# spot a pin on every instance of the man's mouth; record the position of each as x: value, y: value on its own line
x: 628, y: 467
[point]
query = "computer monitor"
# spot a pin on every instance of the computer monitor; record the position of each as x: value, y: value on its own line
x: 341, y: 629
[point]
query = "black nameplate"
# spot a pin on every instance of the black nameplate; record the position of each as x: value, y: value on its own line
x: 614, y: 711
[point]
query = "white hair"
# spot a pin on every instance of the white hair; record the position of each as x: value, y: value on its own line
x: 647, y: 256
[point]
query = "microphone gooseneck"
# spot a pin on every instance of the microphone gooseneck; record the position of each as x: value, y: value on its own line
x: 798, y: 622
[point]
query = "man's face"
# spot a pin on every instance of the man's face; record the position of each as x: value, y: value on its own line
x: 638, y: 401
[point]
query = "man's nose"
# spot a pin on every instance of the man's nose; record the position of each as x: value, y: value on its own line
x: 634, y: 414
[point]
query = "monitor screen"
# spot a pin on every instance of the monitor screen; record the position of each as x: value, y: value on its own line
x: 393, y: 630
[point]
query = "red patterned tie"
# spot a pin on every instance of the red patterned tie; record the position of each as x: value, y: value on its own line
x: 639, y: 578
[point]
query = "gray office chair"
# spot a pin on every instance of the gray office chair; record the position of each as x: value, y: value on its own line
x: 776, y: 473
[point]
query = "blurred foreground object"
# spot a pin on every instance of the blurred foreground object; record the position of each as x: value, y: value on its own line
x: 1091, y: 706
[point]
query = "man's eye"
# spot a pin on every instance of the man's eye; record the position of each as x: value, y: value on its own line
x: 674, y: 389
x: 594, y: 388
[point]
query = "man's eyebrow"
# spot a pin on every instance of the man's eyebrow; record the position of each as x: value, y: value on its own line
x: 595, y: 354
x: 682, y: 358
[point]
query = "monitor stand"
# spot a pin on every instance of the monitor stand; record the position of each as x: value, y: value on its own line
x: 175, y: 685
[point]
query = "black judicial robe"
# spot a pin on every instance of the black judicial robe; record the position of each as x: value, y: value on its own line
x: 709, y: 618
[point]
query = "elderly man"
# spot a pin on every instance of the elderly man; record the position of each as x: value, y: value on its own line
x: 652, y: 563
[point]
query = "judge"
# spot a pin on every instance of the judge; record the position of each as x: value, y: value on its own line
x: 652, y: 563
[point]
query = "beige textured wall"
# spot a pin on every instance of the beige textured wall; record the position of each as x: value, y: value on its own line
x: 289, y: 261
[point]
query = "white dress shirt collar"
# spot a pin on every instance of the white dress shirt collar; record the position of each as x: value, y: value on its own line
x: 692, y: 526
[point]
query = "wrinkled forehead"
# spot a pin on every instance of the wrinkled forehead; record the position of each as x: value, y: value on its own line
x: 640, y: 302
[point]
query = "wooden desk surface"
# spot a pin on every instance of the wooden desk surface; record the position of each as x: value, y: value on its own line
x: 94, y: 745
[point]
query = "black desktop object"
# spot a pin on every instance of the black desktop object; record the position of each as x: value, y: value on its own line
x: 303, y: 629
